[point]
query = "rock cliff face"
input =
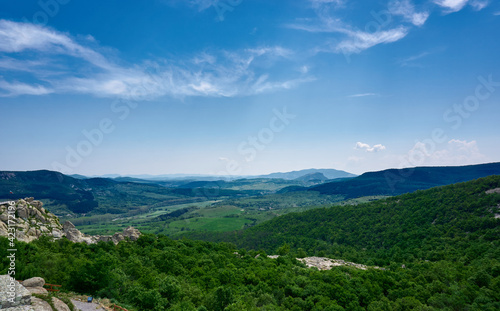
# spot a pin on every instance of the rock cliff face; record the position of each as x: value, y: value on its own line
x: 32, y: 221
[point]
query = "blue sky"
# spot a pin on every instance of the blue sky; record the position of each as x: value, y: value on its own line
x: 240, y: 87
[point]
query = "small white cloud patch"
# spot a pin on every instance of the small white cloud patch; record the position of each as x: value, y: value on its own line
x: 368, y: 148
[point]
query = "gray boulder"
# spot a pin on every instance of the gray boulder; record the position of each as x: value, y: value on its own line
x: 37, y: 290
x: 59, y: 305
x: 34, y: 282
x: 40, y: 305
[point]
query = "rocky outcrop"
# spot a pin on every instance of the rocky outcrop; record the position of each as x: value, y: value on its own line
x: 74, y: 235
x: 323, y: 263
x: 132, y: 233
x: 496, y: 190
x: 32, y: 221
x: 13, y: 294
x: 21, y: 299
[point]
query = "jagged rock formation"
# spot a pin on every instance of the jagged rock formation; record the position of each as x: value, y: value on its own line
x: 74, y: 235
x: 32, y: 221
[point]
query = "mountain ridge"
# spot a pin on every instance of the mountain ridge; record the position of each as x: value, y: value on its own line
x: 398, y: 181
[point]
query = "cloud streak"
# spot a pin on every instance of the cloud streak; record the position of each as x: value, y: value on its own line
x: 220, y: 73
x: 15, y: 88
x: 451, y: 6
x: 368, y: 148
x: 406, y: 9
x: 362, y: 95
x: 353, y: 40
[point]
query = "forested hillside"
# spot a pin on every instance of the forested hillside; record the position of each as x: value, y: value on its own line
x: 459, y: 222
x: 439, y: 250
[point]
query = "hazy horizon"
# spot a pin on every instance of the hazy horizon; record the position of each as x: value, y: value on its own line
x: 248, y: 87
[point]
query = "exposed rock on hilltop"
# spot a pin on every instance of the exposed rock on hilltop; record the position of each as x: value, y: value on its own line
x: 324, y: 263
x: 74, y: 235
x: 32, y: 221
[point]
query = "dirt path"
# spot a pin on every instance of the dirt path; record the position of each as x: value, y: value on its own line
x: 86, y: 306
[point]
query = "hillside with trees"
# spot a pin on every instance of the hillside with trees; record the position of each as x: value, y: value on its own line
x: 438, y: 250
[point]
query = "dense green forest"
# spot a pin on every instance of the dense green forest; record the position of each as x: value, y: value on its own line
x: 455, y: 222
x: 439, y: 250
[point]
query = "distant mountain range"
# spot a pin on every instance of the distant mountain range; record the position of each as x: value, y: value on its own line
x: 328, y: 173
x: 78, y: 194
x: 398, y: 181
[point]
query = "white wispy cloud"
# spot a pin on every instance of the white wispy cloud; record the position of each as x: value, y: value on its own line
x: 363, y: 95
x: 478, y: 5
x: 412, y: 61
x: 368, y: 148
x: 406, y: 9
x: 451, y: 6
x: 352, y: 40
x: 409, y: 61
x: 66, y: 65
x: 18, y: 88
x: 360, y: 40
x: 199, y: 5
